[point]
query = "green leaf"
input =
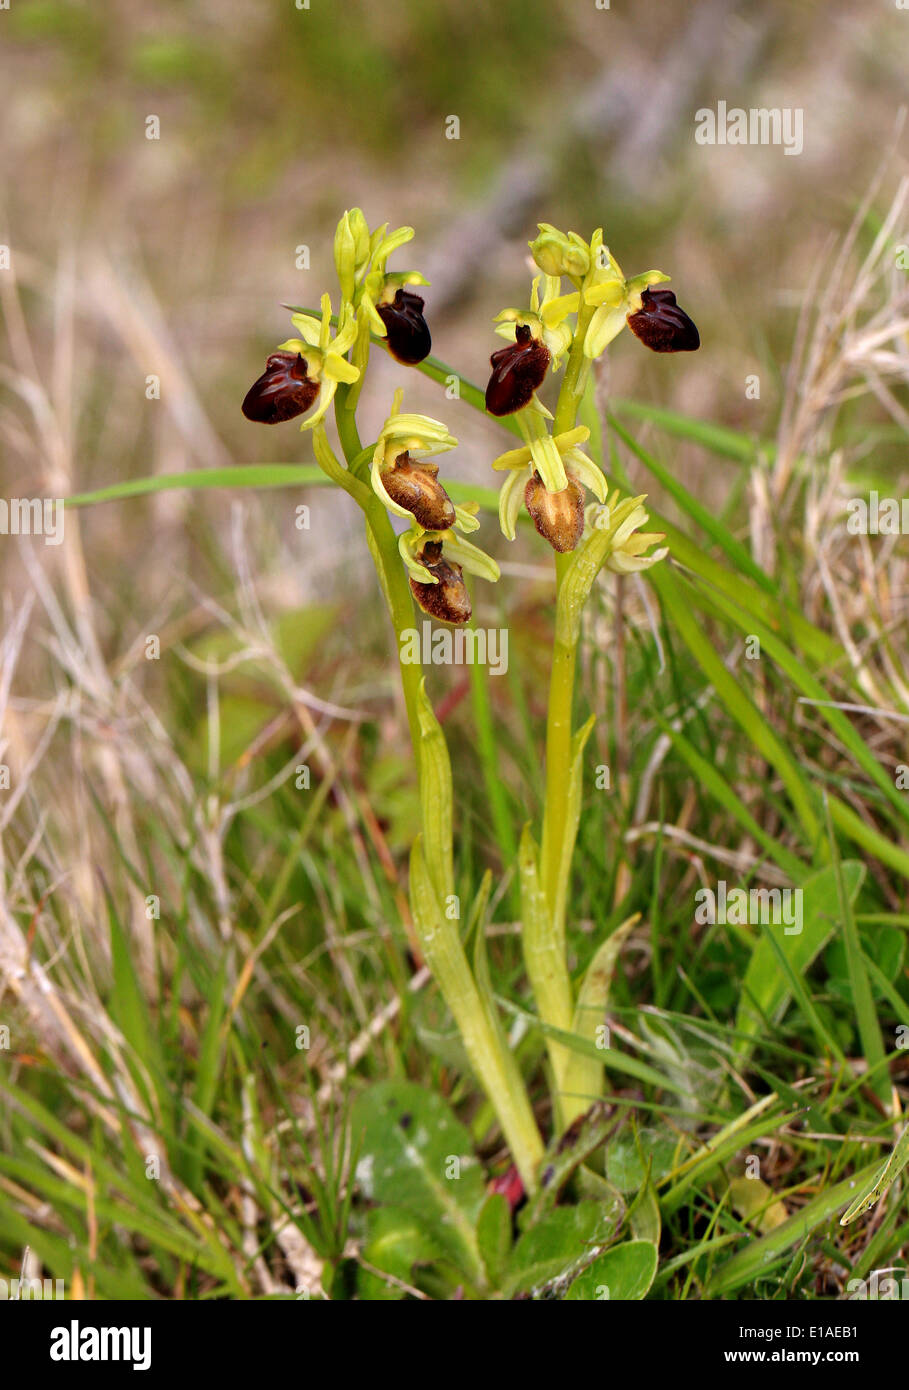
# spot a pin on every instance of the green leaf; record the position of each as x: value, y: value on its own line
x: 766, y: 991
x: 634, y: 1158
x: 583, y: 1077
x: 395, y: 1241
x: 572, y: 821
x: 550, y: 1249
x: 194, y: 480
x: 409, y: 1139
x: 881, y: 1180
x: 587, y: 1133
x: 644, y: 1215
x: 624, y: 1274
x: 494, y: 1236
x: 726, y: 443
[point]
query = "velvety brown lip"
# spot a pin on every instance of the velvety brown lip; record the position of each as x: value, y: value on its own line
x: 415, y: 487
x: 409, y: 339
x: 448, y: 601
x: 517, y: 371
x: 281, y: 392
x: 662, y: 326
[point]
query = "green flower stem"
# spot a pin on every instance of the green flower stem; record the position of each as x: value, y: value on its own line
x: 432, y: 883
x: 564, y: 656
x: 574, y: 380
x: 383, y: 546
x: 558, y: 762
x: 552, y: 986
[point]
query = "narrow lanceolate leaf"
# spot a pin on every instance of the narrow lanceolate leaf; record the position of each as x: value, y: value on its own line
x: 481, y: 972
x: 572, y: 821
x: 481, y: 1033
x: 883, y: 1179
x: 583, y: 1077
x: 719, y: 440
x: 543, y: 954
x: 242, y: 475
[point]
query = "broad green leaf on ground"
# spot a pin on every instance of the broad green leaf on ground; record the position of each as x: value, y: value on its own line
x: 630, y: 1155
x: 765, y: 989
x: 414, y: 1154
x: 551, y: 1248
x: 395, y: 1241
x: 494, y: 1236
x: 623, y: 1274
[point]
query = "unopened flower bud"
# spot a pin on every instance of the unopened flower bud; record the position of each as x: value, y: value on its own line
x: 447, y: 600
x: 409, y: 339
x: 415, y: 487
x: 661, y: 325
x: 517, y: 371
x: 557, y: 254
x: 282, y: 391
x: 558, y: 516
x: 360, y: 231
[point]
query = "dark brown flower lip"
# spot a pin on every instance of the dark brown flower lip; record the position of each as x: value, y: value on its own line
x: 409, y: 339
x: 517, y: 371
x: 447, y: 601
x: 558, y: 516
x: 415, y: 487
x: 281, y: 392
x: 661, y: 325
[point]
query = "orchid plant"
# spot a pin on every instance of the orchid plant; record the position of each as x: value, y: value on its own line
x: 578, y: 303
